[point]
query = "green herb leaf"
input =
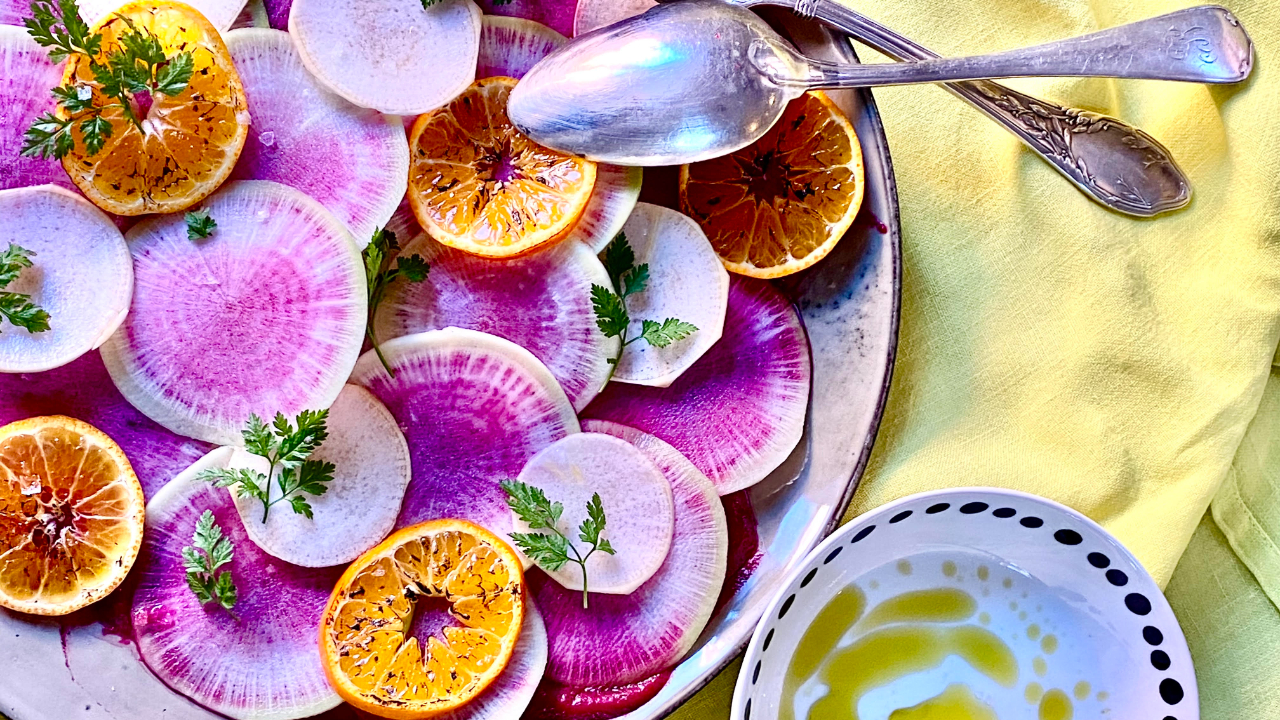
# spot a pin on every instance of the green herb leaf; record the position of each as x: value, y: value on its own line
x: 60, y: 28
x: 211, y: 551
x: 553, y: 550
x: 74, y: 98
x: 301, y: 506
x: 379, y: 273
x: 635, y: 280
x: 17, y: 308
x: 49, y: 137
x: 200, y: 225
x: 287, y: 447
x: 531, y: 505
x: 549, y: 551
x: 13, y: 261
x: 95, y: 129
x: 412, y: 268
x: 618, y: 258
x: 175, y: 75
x: 668, y: 331
x: 611, y: 313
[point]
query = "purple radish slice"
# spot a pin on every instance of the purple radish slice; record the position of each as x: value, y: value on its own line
x: 612, y: 201
x: 555, y: 14
x: 82, y: 276
x: 13, y: 12
x: 623, y: 639
x: 221, y: 13
x: 740, y: 410
x: 371, y: 461
x: 474, y: 408
x: 509, y: 46
x: 562, y: 702
x: 686, y: 281
x: 541, y: 302
x: 278, y: 13
x: 254, y: 14
x: 637, y: 501
x: 594, y: 14
x: 26, y: 75
x: 259, y: 661
x: 403, y: 223
x: 353, y: 161
x: 266, y: 315
x: 362, y: 49
x: 511, y: 692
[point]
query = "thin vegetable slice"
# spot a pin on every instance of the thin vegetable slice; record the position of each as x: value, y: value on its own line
x: 221, y: 13
x: 740, y: 410
x: 624, y: 639
x: 266, y: 315
x: 514, y: 689
x: 594, y: 14
x: 612, y: 201
x: 555, y: 14
x: 12, y: 12
x: 353, y: 161
x: 26, y: 75
x: 474, y: 408
x: 541, y: 302
x: 509, y: 46
x: 257, y: 661
x: 82, y: 276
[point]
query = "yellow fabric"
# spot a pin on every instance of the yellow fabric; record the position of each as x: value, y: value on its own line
x: 1050, y: 345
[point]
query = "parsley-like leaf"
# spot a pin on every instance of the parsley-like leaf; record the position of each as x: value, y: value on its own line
x: 380, y: 273
x: 618, y: 258
x: 17, y: 308
x: 554, y: 549
x: 611, y: 313
x: 668, y: 331
x: 549, y: 551
x: 199, y: 224
x: 211, y: 550
x: 635, y: 280
x: 175, y: 75
x: 49, y: 137
x: 95, y: 130
x: 60, y: 28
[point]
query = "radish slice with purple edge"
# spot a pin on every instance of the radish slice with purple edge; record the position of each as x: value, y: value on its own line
x: 740, y: 410
x: 81, y: 275
x: 278, y: 13
x: 541, y: 302
x: 686, y: 281
x: 362, y: 50
x: 257, y: 661
x: 627, y: 638
x: 221, y: 13
x: 13, y: 12
x: 595, y: 14
x: 265, y: 315
x: 511, y: 692
x: 26, y: 75
x: 613, y: 199
x: 353, y: 161
x: 474, y: 408
x: 361, y: 503
x: 254, y: 14
x: 403, y: 223
x: 637, y: 503
x: 555, y: 14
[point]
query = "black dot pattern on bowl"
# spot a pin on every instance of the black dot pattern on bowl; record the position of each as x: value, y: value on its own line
x: 808, y: 578
x: 1137, y: 603
x: 1031, y: 522
x: 1003, y: 513
x: 900, y: 517
x: 786, y: 605
x: 755, y: 675
x: 767, y: 640
x: 1171, y: 691
x: 1152, y: 635
x: 862, y: 534
x: 1099, y: 560
x: 832, y: 555
x: 1160, y: 660
x: 1068, y: 537
x: 746, y: 710
x: 935, y: 509
x: 1170, y: 717
x: 1117, y: 578
x: 974, y: 508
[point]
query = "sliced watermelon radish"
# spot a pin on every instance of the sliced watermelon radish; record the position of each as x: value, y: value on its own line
x: 623, y: 639
x: 686, y: 281
x: 26, y: 76
x: 278, y: 13
x: 254, y: 14
x: 82, y: 389
x: 509, y: 46
x: 510, y: 693
x: 354, y: 161
x: 740, y: 410
x: 260, y: 660
x: 403, y: 223
x: 555, y: 14
x: 12, y: 12
x: 222, y: 13
x: 266, y: 315
x: 371, y: 461
x: 554, y: 701
x: 636, y: 498
x: 474, y: 408
x: 541, y: 302
x: 396, y: 56
x: 81, y: 276
x: 612, y: 201
x: 594, y: 14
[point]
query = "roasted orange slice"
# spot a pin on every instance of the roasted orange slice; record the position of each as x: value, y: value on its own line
x: 781, y: 204
x: 71, y: 515
x: 478, y: 184
x: 424, y: 622
x: 180, y: 148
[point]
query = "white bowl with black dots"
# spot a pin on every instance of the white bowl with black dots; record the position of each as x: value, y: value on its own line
x: 976, y: 598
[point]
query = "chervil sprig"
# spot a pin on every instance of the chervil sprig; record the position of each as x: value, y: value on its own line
x: 199, y: 224
x: 211, y: 551
x: 553, y: 550
x: 380, y: 273
x: 17, y: 308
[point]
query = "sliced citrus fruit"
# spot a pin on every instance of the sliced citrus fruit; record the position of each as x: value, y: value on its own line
x: 781, y: 204
x: 424, y: 622
x: 478, y: 184
x: 71, y: 515
x: 181, y: 147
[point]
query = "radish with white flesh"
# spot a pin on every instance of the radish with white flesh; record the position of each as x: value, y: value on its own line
x: 511, y: 692
x: 474, y: 408
x: 26, y: 75
x: 595, y: 14
x: 740, y: 410
x: 613, y: 199
x: 257, y: 661
x: 81, y: 275
x: 624, y: 639
x: 220, y: 13
x: 541, y: 302
x: 361, y: 503
x: 362, y: 50
x: 686, y: 280
x: 555, y: 14
x: 353, y: 161
x: 265, y: 315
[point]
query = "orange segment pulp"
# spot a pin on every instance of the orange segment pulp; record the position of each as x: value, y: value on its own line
x: 782, y: 203
x: 371, y: 653
x: 71, y: 515
x: 187, y: 144
x: 478, y: 184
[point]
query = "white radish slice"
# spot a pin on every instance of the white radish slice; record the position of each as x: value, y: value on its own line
x: 613, y: 199
x: 81, y: 275
x: 353, y: 161
x: 371, y: 472
x: 686, y: 281
x: 26, y: 76
x: 512, y: 691
x: 266, y: 315
x: 510, y: 46
x: 637, y: 502
x: 624, y: 639
x: 261, y: 660
x: 541, y: 302
x: 395, y: 56
x: 594, y: 14
x: 555, y: 14
x: 221, y: 13
x: 740, y: 410
x: 474, y: 408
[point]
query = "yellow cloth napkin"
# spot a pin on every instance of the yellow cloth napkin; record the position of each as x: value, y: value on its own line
x: 1048, y: 344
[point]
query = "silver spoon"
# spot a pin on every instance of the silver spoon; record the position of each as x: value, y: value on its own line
x: 697, y: 79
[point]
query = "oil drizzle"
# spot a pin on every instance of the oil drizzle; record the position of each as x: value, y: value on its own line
x: 954, y: 703
x: 936, y: 606
x: 840, y: 613
x: 1055, y: 705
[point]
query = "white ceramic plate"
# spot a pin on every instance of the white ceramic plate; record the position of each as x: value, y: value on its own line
x: 1075, y: 610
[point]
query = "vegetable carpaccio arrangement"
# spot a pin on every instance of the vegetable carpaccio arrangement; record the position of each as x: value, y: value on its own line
x: 329, y: 392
